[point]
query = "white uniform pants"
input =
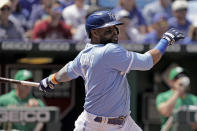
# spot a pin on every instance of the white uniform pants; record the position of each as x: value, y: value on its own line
x: 85, y: 122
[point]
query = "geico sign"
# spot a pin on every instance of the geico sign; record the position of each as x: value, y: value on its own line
x: 24, y: 116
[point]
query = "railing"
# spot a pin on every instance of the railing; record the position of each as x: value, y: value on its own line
x: 68, y: 45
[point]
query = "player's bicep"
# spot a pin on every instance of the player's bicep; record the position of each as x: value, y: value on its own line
x: 142, y: 61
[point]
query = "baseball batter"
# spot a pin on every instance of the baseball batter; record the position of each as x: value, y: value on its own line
x: 103, y: 65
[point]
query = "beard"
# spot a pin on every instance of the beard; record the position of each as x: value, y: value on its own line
x: 113, y: 38
x: 106, y: 41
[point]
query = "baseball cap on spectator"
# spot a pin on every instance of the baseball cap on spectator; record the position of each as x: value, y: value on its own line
x: 23, y: 75
x: 122, y: 14
x: 5, y: 3
x: 177, y: 71
x: 179, y: 5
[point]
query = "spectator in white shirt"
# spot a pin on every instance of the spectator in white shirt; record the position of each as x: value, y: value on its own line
x: 75, y: 14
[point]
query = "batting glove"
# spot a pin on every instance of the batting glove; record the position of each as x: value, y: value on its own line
x: 48, y: 84
x: 172, y: 36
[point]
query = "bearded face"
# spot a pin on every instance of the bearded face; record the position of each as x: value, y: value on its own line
x: 107, y: 35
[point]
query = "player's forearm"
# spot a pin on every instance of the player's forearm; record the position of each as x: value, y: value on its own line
x: 158, y: 51
x: 167, y: 107
x: 62, y: 76
x: 48, y: 83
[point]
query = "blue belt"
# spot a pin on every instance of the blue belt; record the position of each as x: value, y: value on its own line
x: 114, y: 121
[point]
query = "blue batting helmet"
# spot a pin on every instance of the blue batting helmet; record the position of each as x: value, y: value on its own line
x: 100, y: 19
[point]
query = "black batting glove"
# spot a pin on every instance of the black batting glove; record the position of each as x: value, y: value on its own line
x: 172, y: 36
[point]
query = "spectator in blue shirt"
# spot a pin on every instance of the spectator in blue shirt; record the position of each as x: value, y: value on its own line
x: 128, y: 33
x: 159, y: 26
x: 135, y: 14
x: 39, y: 12
x: 158, y: 6
x: 17, y: 15
x: 179, y: 21
x: 9, y: 30
x: 192, y: 35
x: 26, y: 6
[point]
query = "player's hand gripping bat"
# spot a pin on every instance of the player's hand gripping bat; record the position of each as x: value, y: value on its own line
x: 24, y: 83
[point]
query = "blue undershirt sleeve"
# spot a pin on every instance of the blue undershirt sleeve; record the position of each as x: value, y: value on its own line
x: 162, y: 45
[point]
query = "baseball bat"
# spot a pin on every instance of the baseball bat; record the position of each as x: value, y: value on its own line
x: 24, y: 83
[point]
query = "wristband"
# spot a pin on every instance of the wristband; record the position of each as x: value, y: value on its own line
x: 162, y: 45
x: 53, y: 80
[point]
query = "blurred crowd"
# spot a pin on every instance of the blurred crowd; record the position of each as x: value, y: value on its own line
x: 65, y: 20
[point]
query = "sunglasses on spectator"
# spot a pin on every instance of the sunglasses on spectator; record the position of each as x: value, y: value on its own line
x: 5, y: 8
x: 181, y: 10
